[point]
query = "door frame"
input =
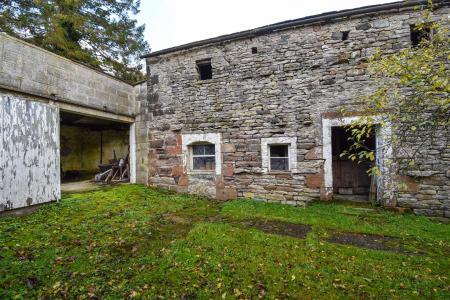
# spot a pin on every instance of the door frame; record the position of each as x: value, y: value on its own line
x: 382, y: 156
x: 94, y: 113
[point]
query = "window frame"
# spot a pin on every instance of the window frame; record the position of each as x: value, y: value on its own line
x: 291, y: 142
x: 288, y: 157
x: 192, y: 156
x: 188, y: 139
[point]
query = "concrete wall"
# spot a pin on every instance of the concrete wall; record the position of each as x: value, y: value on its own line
x: 142, y: 123
x: 30, y: 69
x: 80, y: 147
x: 37, y: 76
x: 297, y: 77
x: 29, y: 152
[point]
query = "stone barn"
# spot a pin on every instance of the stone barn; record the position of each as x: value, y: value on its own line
x: 256, y: 114
x: 253, y: 114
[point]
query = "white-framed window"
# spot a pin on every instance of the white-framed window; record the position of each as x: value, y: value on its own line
x: 203, y: 157
x: 279, y: 154
x: 279, y: 157
x: 202, y: 153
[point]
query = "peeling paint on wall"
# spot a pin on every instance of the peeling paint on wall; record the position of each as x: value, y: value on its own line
x: 29, y: 153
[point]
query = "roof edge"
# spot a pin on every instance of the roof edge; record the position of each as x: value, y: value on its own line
x: 324, y: 17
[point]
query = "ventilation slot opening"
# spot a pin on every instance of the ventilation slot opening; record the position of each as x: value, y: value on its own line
x: 204, y: 69
x: 418, y: 34
x: 345, y: 35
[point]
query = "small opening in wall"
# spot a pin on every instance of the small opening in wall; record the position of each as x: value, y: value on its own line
x: 418, y: 34
x: 204, y: 69
x: 254, y: 50
x: 345, y: 35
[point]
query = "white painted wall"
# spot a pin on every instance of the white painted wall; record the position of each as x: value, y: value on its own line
x: 29, y: 152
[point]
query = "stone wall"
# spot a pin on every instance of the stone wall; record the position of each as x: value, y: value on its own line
x: 142, y: 123
x: 297, y: 77
x: 30, y: 69
x: 426, y: 185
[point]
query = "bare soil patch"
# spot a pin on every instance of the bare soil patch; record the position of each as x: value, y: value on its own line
x: 176, y: 219
x: 277, y: 227
x: 369, y: 241
x: 273, y: 227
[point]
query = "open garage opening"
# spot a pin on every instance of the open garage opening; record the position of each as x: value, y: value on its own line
x: 351, y: 179
x: 92, y: 146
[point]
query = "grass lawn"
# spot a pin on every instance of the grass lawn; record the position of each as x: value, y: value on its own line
x: 134, y: 242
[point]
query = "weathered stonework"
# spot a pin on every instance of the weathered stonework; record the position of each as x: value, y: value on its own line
x: 290, y: 141
x: 141, y: 124
x: 298, y: 76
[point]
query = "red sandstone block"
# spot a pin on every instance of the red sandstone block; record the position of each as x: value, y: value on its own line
x: 183, y: 181
x: 408, y: 184
x: 228, y: 170
x: 227, y: 193
x: 174, y: 150
x: 325, y: 194
x: 314, y: 180
x: 177, y: 170
x: 314, y: 153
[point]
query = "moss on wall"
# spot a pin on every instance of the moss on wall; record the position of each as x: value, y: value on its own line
x: 80, y: 147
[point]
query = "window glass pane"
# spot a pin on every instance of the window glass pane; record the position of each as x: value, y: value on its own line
x: 279, y: 164
x: 198, y: 149
x: 279, y: 151
x: 210, y: 149
x: 204, y: 149
x: 204, y: 163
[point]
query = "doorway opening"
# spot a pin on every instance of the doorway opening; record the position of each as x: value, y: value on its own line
x: 351, y: 180
x: 90, y: 146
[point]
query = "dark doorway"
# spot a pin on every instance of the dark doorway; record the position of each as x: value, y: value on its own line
x: 350, y: 178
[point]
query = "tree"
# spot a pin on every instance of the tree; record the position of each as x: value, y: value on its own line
x: 99, y: 33
x: 411, y: 96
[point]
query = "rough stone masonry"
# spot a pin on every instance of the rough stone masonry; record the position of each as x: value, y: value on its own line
x: 276, y: 85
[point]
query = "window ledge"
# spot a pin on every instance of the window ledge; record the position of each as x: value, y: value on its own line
x: 212, y: 172
x: 280, y: 172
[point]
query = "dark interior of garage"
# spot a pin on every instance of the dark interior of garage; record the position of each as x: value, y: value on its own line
x: 91, y: 146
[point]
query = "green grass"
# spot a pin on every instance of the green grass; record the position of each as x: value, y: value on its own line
x: 134, y: 242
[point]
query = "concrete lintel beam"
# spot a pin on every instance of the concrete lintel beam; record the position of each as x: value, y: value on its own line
x: 90, y: 112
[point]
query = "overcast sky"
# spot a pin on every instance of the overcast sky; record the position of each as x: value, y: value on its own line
x: 175, y: 22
